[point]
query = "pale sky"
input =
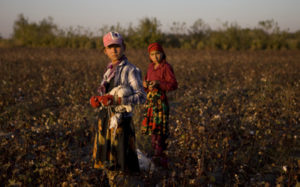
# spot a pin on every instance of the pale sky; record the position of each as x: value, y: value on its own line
x: 94, y: 14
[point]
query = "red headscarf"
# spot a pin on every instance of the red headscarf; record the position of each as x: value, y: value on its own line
x: 155, y: 47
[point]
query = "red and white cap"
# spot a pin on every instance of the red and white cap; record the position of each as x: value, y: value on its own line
x: 112, y: 38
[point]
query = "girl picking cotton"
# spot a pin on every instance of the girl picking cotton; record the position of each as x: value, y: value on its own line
x: 159, y: 80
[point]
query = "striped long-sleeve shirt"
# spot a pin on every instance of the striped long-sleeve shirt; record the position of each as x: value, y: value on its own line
x: 126, y: 74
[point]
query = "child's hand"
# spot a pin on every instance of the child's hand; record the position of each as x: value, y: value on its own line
x: 94, y: 101
x: 107, y: 100
x: 153, y: 84
x: 145, y: 84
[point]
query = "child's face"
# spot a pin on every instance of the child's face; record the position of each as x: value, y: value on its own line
x: 156, y: 56
x: 114, y: 52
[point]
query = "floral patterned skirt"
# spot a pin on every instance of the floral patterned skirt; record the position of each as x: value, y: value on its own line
x: 156, y: 114
x: 155, y: 123
x: 115, y: 152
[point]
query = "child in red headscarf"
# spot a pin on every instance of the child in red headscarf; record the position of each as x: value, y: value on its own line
x: 159, y: 79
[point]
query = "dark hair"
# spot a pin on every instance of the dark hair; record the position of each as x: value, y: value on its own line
x: 164, y: 57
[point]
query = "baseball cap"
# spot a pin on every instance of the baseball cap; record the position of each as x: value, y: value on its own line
x: 112, y: 38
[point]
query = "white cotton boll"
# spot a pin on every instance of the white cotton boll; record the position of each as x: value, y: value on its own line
x: 122, y: 91
x: 114, y: 121
x: 124, y: 108
x: 145, y: 163
x: 284, y: 168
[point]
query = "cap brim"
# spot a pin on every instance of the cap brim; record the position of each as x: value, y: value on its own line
x: 113, y: 42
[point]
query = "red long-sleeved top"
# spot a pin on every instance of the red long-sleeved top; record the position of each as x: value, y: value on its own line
x: 164, y: 74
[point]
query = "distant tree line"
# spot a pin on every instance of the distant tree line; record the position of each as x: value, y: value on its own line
x: 267, y: 35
